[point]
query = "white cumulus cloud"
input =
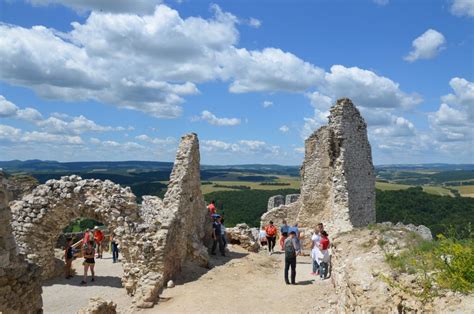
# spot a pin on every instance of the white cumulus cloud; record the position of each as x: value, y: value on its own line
x: 365, y: 88
x: 117, y: 6
x: 211, y: 118
x: 284, y: 129
x: 267, y: 104
x: 462, y: 7
x: 426, y: 46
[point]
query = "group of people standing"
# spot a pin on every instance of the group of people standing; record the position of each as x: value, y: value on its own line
x: 218, y: 230
x: 91, y: 248
x: 289, y: 240
x: 290, y: 243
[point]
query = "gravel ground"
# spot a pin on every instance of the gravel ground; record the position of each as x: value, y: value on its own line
x: 242, y: 282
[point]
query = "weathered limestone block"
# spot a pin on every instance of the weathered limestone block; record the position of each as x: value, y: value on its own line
x: 362, y: 277
x: 20, y: 287
x: 275, y: 201
x: 284, y: 212
x: 291, y: 198
x: 337, y: 175
x: 99, y: 306
x: 243, y: 236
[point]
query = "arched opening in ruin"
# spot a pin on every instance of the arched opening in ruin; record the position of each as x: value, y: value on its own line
x: 108, y: 274
x: 40, y: 218
x: 156, y: 238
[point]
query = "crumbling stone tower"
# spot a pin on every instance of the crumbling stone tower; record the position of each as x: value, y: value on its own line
x: 338, y: 177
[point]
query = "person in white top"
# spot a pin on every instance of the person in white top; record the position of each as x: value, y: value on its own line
x: 315, y: 251
x: 262, y: 237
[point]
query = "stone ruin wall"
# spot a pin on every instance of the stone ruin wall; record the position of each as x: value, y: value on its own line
x: 20, y: 286
x: 155, y: 239
x: 337, y: 176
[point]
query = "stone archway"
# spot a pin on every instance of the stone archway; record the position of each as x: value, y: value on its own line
x: 39, y: 218
x: 156, y: 238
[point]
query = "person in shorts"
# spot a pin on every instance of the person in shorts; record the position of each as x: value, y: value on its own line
x: 88, y: 252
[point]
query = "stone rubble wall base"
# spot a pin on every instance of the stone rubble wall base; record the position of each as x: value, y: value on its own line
x: 20, y: 285
x: 243, y: 236
x: 99, y: 306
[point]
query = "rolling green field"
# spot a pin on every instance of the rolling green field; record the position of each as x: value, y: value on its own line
x: 294, y: 183
x: 290, y: 183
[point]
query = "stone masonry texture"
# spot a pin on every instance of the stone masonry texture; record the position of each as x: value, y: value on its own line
x: 337, y: 176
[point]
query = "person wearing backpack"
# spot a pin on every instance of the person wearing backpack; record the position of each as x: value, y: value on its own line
x: 291, y: 251
x: 271, y: 231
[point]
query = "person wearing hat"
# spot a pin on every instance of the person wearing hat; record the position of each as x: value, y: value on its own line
x: 98, y: 238
x: 217, y: 235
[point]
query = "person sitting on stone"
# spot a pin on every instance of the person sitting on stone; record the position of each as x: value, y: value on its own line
x: 89, y: 262
x: 284, y: 234
x: 68, y: 258
x: 217, y: 236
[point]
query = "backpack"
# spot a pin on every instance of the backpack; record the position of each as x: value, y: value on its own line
x: 271, y: 231
x: 290, y: 251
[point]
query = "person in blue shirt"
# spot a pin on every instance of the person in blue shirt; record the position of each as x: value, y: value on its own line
x: 284, y: 229
x: 217, y: 236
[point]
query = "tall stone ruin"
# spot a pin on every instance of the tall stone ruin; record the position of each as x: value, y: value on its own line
x: 155, y: 239
x: 337, y: 176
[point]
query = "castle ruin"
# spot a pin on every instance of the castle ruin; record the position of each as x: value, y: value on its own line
x: 337, y: 176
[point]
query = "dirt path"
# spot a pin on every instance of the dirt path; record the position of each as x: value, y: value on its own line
x: 241, y: 282
x: 250, y: 283
x: 68, y: 296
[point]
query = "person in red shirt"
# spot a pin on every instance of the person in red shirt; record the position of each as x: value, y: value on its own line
x: 324, y: 257
x: 212, y: 208
x: 271, y: 231
x: 98, y: 238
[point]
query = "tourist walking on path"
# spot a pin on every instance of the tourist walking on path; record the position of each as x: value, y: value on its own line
x: 217, y: 236
x: 291, y: 251
x: 114, y: 248
x: 68, y: 258
x: 212, y: 208
x: 98, y: 238
x: 271, y: 231
x: 323, y: 256
x: 284, y: 229
x: 315, y: 239
x: 89, y: 262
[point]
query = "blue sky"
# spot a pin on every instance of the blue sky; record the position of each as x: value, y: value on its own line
x: 123, y: 80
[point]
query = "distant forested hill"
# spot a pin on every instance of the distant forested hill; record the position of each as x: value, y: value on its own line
x: 439, y: 213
